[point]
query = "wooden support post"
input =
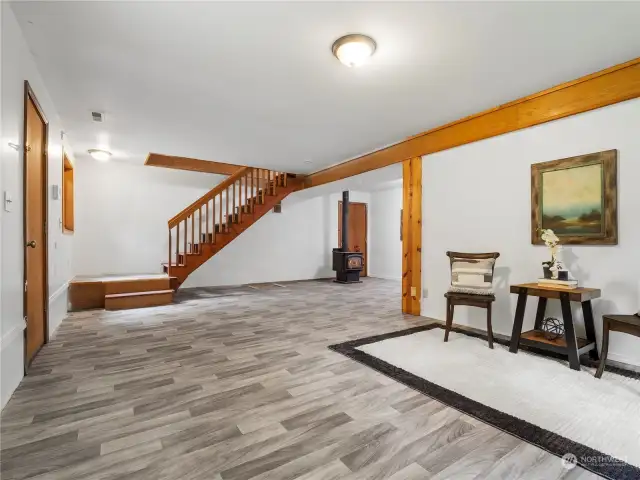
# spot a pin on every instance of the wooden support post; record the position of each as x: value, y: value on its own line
x: 412, y: 235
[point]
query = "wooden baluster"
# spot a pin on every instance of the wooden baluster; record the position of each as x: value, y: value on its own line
x: 178, y: 244
x: 253, y: 191
x: 233, y: 210
x: 206, y: 221
x: 258, y: 173
x: 240, y: 199
x: 275, y: 181
x: 193, y: 231
x: 220, y: 213
x: 257, y: 185
x: 170, y: 253
x: 186, y: 231
x: 284, y: 179
x: 246, y: 191
x: 268, y: 182
x: 200, y: 241
x: 226, y: 210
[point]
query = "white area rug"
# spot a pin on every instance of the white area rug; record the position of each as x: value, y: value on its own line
x: 603, y: 415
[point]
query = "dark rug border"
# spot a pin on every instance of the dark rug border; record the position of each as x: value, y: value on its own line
x: 545, y: 439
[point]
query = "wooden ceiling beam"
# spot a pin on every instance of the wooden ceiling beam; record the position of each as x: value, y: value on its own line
x: 191, y: 164
x: 607, y: 87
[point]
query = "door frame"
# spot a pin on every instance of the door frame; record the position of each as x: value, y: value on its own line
x: 29, y: 95
x: 365, y: 271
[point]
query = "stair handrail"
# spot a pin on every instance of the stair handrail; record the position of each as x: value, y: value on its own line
x: 184, y: 214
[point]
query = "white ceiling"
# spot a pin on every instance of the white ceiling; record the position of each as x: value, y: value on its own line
x: 255, y: 83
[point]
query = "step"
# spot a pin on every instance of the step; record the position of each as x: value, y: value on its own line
x: 173, y: 265
x: 124, y: 301
x: 87, y: 292
x: 137, y: 285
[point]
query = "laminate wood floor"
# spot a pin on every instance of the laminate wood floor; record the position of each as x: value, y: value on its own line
x: 238, y: 383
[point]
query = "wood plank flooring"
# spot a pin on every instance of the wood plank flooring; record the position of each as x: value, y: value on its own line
x: 238, y: 384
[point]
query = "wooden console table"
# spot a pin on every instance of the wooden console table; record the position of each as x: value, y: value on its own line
x: 570, y: 345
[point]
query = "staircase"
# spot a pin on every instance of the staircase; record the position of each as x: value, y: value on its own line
x: 213, y: 221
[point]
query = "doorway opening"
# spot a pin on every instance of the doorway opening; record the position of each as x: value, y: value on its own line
x: 35, y: 211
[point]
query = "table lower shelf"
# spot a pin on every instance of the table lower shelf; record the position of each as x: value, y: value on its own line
x: 536, y: 338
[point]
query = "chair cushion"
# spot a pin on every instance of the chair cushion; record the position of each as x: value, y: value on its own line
x: 471, y: 291
x: 472, y: 276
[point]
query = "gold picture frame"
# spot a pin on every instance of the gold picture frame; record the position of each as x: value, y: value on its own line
x: 577, y: 198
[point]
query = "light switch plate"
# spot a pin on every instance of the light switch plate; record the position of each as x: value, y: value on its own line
x: 413, y: 291
x: 55, y: 192
x: 8, y: 202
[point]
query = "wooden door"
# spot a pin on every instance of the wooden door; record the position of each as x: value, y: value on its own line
x: 35, y: 214
x: 357, y: 230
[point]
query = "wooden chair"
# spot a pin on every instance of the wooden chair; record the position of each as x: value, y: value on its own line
x: 470, y: 299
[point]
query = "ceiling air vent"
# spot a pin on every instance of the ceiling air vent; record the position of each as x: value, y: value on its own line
x: 97, y: 117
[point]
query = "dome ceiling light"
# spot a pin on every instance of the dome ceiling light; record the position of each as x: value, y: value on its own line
x: 98, y: 154
x: 353, y: 50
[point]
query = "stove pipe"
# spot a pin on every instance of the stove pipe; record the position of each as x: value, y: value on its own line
x: 345, y: 221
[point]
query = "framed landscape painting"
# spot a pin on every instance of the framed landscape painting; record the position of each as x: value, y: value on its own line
x: 577, y: 198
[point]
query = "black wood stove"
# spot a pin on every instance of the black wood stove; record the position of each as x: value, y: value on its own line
x: 347, y: 265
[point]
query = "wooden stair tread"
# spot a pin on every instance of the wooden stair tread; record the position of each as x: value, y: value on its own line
x: 138, y: 294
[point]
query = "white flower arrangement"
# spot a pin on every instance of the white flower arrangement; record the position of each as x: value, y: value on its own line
x: 552, y: 242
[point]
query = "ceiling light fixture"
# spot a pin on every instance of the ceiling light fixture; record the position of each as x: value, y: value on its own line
x: 98, y: 154
x: 353, y: 50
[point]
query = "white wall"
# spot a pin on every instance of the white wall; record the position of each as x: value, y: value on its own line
x: 293, y: 245
x: 385, y: 245
x: 121, y: 227
x: 122, y: 212
x: 279, y: 247
x: 477, y: 199
x: 18, y: 66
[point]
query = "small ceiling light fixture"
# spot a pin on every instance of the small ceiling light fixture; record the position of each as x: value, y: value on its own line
x: 353, y: 50
x: 98, y: 154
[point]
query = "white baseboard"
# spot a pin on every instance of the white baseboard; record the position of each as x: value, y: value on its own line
x: 12, y: 334
x: 386, y: 277
x: 12, y: 364
x: 54, y: 296
x: 58, y: 307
